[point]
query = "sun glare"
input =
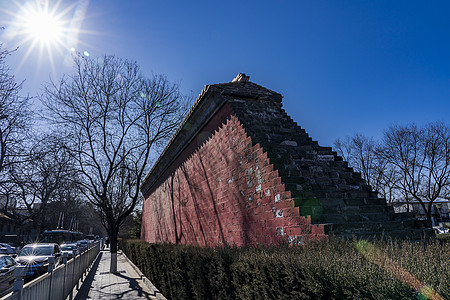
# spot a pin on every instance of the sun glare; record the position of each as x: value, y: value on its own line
x: 46, y: 29
x: 44, y: 26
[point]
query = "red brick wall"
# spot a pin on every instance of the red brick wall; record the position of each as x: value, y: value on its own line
x: 223, y: 191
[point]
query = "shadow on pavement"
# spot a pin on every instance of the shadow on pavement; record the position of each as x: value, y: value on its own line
x: 134, y: 286
x: 83, y: 292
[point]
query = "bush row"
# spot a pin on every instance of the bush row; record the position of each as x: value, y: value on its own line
x: 333, y: 269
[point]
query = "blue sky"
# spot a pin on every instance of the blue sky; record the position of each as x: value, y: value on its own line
x: 342, y: 66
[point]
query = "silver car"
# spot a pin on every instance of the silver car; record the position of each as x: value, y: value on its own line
x: 35, y: 257
x: 70, y: 249
x: 7, y: 267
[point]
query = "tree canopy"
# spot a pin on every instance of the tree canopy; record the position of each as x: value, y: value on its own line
x: 113, y: 120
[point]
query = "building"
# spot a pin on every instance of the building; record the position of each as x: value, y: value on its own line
x: 440, y: 211
x: 241, y: 171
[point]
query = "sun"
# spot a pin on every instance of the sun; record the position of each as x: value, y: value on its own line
x: 44, y: 26
x: 46, y: 29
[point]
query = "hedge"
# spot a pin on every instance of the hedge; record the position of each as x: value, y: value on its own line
x: 332, y: 269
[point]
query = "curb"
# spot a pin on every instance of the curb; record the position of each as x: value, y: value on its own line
x: 145, y: 280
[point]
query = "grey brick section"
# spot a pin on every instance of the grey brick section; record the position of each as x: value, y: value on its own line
x: 321, y: 183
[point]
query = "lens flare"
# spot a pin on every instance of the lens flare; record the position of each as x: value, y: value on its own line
x: 376, y: 256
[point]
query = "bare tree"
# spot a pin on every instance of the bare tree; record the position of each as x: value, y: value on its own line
x: 15, y: 121
x: 421, y: 160
x: 15, y: 116
x: 365, y: 156
x: 38, y: 180
x: 386, y: 180
x: 113, y: 119
x: 360, y: 152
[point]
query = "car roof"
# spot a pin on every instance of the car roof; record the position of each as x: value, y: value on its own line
x: 40, y: 244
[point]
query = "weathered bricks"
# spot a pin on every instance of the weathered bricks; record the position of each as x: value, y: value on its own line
x: 208, y: 203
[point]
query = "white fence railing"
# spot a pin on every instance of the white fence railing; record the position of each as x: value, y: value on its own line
x: 57, y: 284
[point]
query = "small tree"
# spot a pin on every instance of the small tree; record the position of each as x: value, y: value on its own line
x: 112, y: 120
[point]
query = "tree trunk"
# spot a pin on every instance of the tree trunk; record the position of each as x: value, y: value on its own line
x: 113, y: 249
x: 429, y: 220
x: 429, y: 213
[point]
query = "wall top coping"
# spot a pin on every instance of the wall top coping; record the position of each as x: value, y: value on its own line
x: 210, y: 100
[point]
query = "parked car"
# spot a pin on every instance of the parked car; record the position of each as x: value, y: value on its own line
x: 35, y: 257
x: 7, y: 249
x: 83, y: 245
x: 7, y: 267
x: 441, y: 230
x: 69, y: 249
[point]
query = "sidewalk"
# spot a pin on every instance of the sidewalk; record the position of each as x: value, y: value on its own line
x: 126, y: 284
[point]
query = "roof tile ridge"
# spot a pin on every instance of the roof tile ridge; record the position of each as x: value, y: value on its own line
x: 180, y: 127
x: 217, y: 85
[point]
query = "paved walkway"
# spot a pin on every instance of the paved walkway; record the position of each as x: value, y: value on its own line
x: 100, y: 284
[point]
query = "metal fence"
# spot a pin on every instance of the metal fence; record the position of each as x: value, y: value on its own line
x: 57, y: 284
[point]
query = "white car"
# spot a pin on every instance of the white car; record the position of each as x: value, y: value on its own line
x: 442, y: 230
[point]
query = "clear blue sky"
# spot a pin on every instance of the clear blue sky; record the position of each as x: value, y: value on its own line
x: 342, y: 66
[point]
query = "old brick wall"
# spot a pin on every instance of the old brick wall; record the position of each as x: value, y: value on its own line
x: 223, y: 190
x: 240, y: 171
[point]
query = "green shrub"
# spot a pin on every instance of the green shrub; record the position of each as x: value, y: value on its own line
x: 333, y: 269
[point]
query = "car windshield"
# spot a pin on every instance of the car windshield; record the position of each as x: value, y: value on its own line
x: 3, y: 263
x: 68, y: 247
x: 36, y: 251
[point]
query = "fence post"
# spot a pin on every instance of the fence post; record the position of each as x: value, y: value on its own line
x: 19, y: 273
x: 64, y: 259
x: 75, y: 263
x: 51, y: 262
x: 74, y: 254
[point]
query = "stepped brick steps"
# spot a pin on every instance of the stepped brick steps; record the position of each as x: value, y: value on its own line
x: 323, y: 186
x: 346, y: 216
